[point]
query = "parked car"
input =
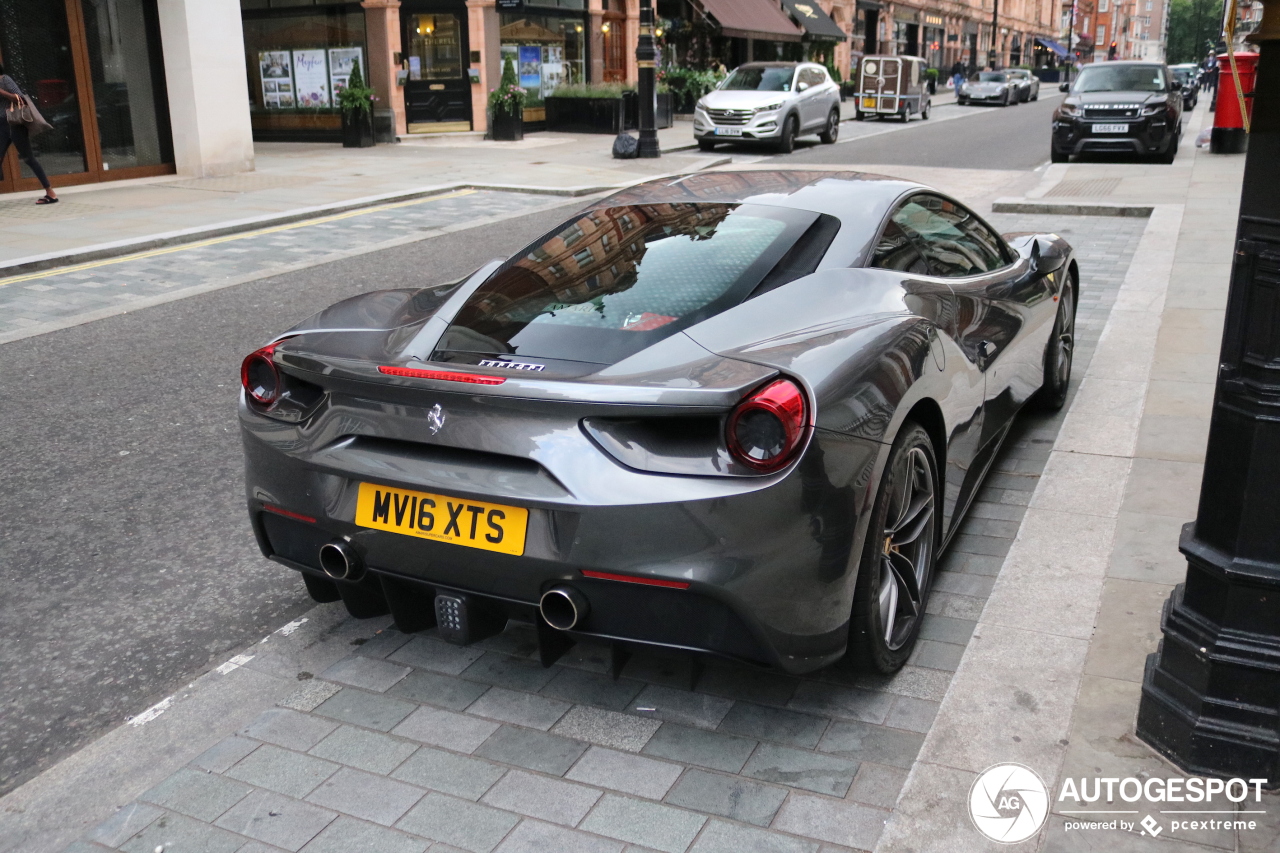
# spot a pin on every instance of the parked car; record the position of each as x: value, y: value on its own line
x: 989, y: 87
x: 1028, y: 84
x: 734, y: 413
x: 1127, y: 106
x: 892, y: 86
x: 769, y: 102
x: 1188, y: 77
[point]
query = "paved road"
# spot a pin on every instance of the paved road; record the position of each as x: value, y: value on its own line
x: 125, y: 559
x: 124, y: 553
x: 956, y: 137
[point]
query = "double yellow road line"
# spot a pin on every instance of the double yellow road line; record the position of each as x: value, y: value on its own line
x: 185, y: 247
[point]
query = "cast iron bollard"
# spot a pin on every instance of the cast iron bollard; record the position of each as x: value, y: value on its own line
x: 1211, y: 692
x: 646, y: 61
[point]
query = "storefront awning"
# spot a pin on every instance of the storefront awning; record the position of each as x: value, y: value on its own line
x: 1053, y: 45
x: 752, y: 19
x: 815, y: 22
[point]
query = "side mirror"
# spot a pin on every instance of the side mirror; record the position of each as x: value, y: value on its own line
x: 801, y: 87
x: 1064, y: 87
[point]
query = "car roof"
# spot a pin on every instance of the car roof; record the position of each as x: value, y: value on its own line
x: 860, y: 200
x: 772, y: 64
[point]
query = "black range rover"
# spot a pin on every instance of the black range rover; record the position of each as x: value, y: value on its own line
x: 1126, y: 106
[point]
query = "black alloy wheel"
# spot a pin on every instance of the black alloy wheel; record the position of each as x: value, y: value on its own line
x: 1060, y: 350
x: 899, y: 555
x: 831, y: 132
x: 790, y: 130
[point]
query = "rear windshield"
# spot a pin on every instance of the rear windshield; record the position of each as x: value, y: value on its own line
x: 760, y: 79
x: 619, y: 279
x: 1121, y: 78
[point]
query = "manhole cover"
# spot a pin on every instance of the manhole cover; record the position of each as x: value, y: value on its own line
x: 28, y: 209
x: 1091, y: 187
x: 247, y: 183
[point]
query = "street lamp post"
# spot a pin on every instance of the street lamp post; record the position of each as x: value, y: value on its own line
x: 995, y: 33
x: 646, y: 62
x: 1211, y: 692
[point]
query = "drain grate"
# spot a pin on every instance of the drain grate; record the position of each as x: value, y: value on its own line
x: 1090, y: 187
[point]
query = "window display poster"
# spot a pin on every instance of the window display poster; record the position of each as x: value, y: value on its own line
x: 530, y: 67
x: 341, y: 61
x: 277, y: 79
x: 311, y: 78
x: 415, y: 68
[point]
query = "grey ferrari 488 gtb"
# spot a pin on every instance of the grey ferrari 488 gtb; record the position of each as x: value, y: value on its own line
x: 734, y: 413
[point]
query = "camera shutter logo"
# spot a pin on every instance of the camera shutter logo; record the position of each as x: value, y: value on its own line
x: 1008, y: 803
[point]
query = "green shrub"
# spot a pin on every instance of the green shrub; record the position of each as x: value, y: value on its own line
x: 356, y: 97
x: 590, y: 90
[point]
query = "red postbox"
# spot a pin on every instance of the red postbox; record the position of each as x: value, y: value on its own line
x: 1228, y: 135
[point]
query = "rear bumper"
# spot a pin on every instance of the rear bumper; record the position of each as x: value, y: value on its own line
x: 770, y: 573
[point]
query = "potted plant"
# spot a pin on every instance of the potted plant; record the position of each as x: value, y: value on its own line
x: 506, y: 106
x: 356, y: 100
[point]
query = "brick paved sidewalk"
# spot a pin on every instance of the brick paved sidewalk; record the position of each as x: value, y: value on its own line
x: 409, y: 742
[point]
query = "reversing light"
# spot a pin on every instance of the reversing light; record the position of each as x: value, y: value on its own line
x: 766, y: 429
x: 444, y: 375
x: 259, y: 377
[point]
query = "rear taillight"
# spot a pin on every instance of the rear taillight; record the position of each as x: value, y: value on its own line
x: 768, y: 427
x: 259, y: 376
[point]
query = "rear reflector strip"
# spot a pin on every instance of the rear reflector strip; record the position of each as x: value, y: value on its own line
x: 445, y: 375
x: 280, y: 511
x: 606, y: 576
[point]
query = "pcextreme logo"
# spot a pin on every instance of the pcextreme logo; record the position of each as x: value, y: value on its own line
x: 1009, y: 803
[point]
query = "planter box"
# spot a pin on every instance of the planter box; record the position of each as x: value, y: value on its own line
x: 585, y: 115
x: 664, y: 113
x: 357, y: 130
x: 507, y: 127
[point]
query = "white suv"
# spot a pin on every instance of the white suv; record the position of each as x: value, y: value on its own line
x: 770, y: 102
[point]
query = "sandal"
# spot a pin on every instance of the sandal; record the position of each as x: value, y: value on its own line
x: 46, y: 200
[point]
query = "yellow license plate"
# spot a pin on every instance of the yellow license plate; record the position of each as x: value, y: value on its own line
x: 474, y: 524
x: 869, y: 103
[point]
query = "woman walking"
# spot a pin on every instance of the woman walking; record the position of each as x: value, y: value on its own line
x: 19, y: 135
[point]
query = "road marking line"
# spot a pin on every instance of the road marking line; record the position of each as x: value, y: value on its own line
x: 233, y: 664
x: 152, y: 712
x: 230, y: 237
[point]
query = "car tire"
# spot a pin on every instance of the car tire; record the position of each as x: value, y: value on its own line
x: 787, y: 141
x: 831, y: 133
x: 706, y: 145
x: 859, y: 115
x: 1036, y: 96
x: 1056, y: 156
x: 1060, y: 351
x: 963, y: 102
x: 890, y: 594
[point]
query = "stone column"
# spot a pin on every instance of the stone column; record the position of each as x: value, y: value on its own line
x: 382, y: 28
x: 595, y: 10
x: 204, y: 66
x: 483, y: 27
x: 633, y: 40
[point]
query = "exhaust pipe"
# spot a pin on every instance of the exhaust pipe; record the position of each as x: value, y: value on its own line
x: 340, y: 561
x: 563, y: 607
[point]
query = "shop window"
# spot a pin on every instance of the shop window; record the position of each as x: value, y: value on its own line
x: 36, y: 45
x: 125, y: 66
x: 546, y: 50
x: 298, y: 60
x: 435, y: 51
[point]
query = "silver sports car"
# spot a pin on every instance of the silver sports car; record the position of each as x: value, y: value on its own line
x: 734, y: 413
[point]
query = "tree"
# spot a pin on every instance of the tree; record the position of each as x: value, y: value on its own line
x: 1192, y: 23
